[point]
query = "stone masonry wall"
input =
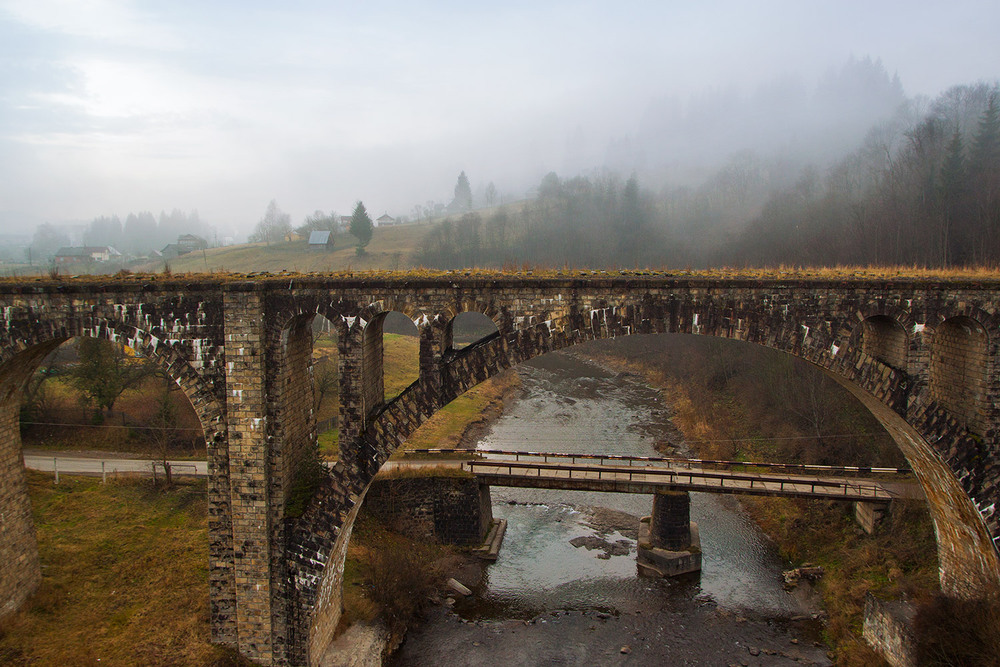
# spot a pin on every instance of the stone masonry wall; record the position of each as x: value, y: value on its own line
x: 19, y: 568
x: 887, y: 629
x: 249, y: 474
x: 885, y: 339
x: 446, y: 509
x: 958, y: 371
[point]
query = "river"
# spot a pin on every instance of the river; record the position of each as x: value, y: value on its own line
x: 548, y: 602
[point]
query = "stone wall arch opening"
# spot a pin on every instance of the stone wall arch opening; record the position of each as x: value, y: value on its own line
x: 885, y: 339
x: 163, y: 414
x: 98, y: 395
x: 326, y: 385
x: 959, y: 370
x: 292, y: 436
x: 390, y: 340
x: 468, y: 328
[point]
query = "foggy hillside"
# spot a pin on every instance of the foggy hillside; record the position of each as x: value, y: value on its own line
x: 914, y: 182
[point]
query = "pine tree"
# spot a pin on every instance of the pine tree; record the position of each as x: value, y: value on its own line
x: 463, y: 194
x: 985, y: 154
x: 361, y: 227
x: 952, y: 189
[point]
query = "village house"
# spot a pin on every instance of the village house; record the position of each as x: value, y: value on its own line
x: 85, y: 255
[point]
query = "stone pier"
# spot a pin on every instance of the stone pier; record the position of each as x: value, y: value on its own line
x: 669, y: 544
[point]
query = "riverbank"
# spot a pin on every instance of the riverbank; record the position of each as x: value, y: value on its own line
x: 462, y: 422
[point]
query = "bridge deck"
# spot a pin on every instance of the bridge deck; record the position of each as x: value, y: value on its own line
x: 620, y: 479
x: 645, y: 475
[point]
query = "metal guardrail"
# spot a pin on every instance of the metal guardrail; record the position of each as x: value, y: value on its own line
x: 72, y: 465
x: 688, y: 463
x: 694, y: 479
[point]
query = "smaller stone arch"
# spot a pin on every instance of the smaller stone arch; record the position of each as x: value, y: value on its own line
x: 23, y: 351
x: 959, y: 370
x: 373, y: 388
x: 471, y: 327
x: 885, y: 339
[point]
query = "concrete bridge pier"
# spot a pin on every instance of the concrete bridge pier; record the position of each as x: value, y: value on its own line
x: 669, y: 544
x: 870, y: 515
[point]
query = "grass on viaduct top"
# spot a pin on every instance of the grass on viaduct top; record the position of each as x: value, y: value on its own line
x: 952, y: 277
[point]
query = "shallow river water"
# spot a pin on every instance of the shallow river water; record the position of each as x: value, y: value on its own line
x: 548, y: 602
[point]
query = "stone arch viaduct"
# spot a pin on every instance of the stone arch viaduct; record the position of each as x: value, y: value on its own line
x: 922, y: 354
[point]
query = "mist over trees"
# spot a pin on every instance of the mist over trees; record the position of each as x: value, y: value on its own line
x: 924, y: 189
x: 274, y: 227
x: 920, y: 187
x: 140, y: 234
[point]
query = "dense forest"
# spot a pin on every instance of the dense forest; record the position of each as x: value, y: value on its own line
x: 922, y: 188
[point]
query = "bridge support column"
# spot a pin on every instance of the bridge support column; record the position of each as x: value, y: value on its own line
x: 350, y: 371
x: 870, y: 515
x: 246, y: 414
x: 432, y: 348
x: 20, y: 573
x: 669, y: 544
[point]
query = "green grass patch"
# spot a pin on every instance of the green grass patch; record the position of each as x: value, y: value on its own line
x: 424, y: 471
x: 329, y: 444
x: 448, y: 426
x: 401, y: 362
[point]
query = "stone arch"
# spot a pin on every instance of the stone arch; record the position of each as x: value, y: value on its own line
x: 831, y: 340
x: 373, y: 389
x: 293, y: 433
x: 468, y: 319
x: 25, y: 349
x: 966, y: 546
x: 885, y: 339
x: 959, y: 370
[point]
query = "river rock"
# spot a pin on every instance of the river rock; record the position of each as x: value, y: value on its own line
x: 459, y: 587
x: 808, y: 572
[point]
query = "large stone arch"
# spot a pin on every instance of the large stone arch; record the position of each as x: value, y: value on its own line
x: 826, y: 344
x: 937, y: 447
x: 24, y: 349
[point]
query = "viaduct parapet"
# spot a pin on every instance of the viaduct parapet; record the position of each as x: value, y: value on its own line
x: 921, y: 354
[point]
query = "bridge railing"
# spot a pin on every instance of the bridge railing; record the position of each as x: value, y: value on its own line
x: 604, y: 459
x: 684, y: 478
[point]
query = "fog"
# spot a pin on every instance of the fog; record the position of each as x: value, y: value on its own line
x: 112, y: 107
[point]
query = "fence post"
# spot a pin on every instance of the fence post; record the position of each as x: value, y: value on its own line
x: 55, y: 466
x: 104, y: 476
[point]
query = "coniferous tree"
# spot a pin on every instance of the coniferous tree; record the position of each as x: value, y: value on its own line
x: 463, y: 194
x: 952, y: 194
x: 361, y: 227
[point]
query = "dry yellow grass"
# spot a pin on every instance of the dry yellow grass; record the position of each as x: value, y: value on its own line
x: 379, y: 268
x: 390, y: 248
x: 125, y: 577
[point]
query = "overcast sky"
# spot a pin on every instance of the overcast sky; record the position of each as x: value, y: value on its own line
x: 115, y: 106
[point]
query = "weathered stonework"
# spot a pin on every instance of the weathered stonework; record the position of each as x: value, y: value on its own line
x: 670, y: 522
x: 922, y: 355
x: 888, y: 628
x: 444, y: 509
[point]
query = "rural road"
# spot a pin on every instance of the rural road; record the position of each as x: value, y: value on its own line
x: 77, y: 463
x: 74, y: 464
